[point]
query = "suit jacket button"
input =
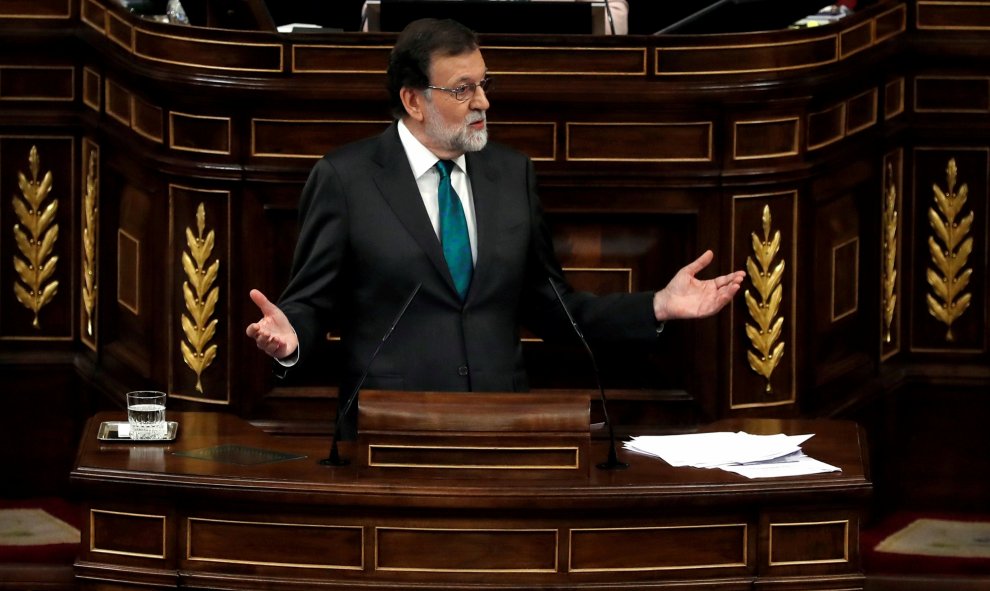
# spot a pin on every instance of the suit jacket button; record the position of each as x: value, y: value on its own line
x: 462, y: 370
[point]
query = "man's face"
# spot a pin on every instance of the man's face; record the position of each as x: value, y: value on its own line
x: 452, y: 126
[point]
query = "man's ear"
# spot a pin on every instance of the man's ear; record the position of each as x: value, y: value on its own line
x: 413, y: 102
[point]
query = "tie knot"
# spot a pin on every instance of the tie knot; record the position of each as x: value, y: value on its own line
x: 445, y: 167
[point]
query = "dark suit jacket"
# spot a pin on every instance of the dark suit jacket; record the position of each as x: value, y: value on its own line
x: 366, y: 241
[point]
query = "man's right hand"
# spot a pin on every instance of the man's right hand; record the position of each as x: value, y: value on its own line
x: 272, y: 334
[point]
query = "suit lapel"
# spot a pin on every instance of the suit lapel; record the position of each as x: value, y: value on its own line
x: 398, y: 187
x: 484, y: 189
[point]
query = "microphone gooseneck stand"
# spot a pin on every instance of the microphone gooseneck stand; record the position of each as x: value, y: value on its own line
x: 612, y: 462
x: 334, y: 458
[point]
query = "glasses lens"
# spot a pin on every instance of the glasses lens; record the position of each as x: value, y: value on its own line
x: 486, y: 85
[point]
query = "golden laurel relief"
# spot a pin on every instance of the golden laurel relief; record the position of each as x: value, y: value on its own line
x: 89, y: 242
x: 950, y: 277
x: 889, y: 277
x: 765, y: 313
x: 200, y: 297
x: 35, y: 236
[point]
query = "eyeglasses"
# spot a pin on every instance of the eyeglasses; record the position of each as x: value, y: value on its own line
x: 465, y: 92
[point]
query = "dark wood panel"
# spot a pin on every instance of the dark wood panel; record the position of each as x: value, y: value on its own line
x: 300, y: 545
x: 945, y: 94
x: 53, y: 9
x: 723, y: 546
x: 43, y: 83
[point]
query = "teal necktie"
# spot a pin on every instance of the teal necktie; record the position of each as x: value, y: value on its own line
x: 454, y: 231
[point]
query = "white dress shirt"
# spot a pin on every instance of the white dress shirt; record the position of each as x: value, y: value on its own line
x: 423, y: 163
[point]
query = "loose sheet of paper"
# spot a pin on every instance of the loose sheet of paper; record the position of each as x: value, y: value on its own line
x: 752, y: 456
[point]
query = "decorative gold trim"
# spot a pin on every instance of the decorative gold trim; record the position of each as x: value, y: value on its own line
x: 494, y: 125
x: 92, y: 534
x: 855, y: 306
x: 296, y: 70
x: 63, y: 99
x: 254, y: 133
x: 572, y: 50
x: 90, y: 230
x: 35, y: 236
x: 873, y: 116
x: 190, y: 556
x: 845, y: 545
x: 91, y: 77
x: 208, y: 45
x: 200, y: 297
x: 567, y: 140
x: 766, y: 333
x: 574, y: 466
x: 795, y: 144
x: 921, y: 4
x: 871, y: 24
x: 900, y: 8
x: 745, y: 548
x: 85, y: 17
x: 556, y: 551
x: 171, y: 133
x: 917, y: 109
x: 136, y: 308
x: 128, y: 43
x: 68, y: 13
x: 112, y: 106
x: 950, y: 277
x: 832, y: 60
x: 888, y: 276
x: 841, y: 132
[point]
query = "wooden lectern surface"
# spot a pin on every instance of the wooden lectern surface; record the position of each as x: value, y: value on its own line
x: 267, y: 515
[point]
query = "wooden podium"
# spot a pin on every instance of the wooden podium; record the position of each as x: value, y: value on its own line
x: 227, y: 506
x: 473, y: 435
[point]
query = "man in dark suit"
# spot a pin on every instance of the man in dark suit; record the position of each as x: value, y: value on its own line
x: 381, y: 216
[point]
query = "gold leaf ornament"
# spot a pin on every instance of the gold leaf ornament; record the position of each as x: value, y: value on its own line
x: 767, y: 279
x: 200, y: 297
x: 89, y: 243
x: 35, y: 235
x: 889, y: 278
x: 949, y: 246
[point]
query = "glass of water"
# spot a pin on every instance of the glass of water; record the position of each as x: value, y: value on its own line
x: 146, y: 414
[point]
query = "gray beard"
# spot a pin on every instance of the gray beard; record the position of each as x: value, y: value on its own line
x: 454, y: 138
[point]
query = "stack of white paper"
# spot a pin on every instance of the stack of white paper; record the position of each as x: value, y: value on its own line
x: 753, y: 456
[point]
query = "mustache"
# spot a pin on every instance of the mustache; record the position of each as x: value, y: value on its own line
x: 475, y: 118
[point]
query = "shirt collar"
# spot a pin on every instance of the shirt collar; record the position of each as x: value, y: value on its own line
x: 421, y: 159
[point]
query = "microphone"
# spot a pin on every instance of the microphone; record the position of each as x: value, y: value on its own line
x: 612, y: 463
x: 334, y: 458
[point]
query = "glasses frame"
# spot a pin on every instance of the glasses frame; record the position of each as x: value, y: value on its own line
x: 465, y: 92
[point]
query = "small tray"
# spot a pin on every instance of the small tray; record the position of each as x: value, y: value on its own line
x: 108, y: 432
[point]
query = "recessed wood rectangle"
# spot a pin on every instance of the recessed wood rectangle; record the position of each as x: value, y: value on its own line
x: 148, y: 120
x: 129, y: 534
x: 640, y: 142
x: 296, y: 545
x: 466, y: 550
x: 600, y: 280
x: 465, y: 457
x: 973, y: 16
x: 736, y: 59
x: 570, y: 61
x: 94, y: 15
x: 773, y: 138
x: 300, y: 138
x: 207, y: 53
x: 659, y: 548
x: 128, y: 271
x: 118, y: 103
x: 845, y: 279
x: 951, y: 95
x: 92, y: 89
x: 809, y: 543
x: 37, y: 83
x: 893, y: 99
x: 340, y: 59
x: 199, y: 133
x: 826, y: 127
x: 55, y: 9
x: 861, y: 112
x: 119, y: 31
x: 891, y: 23
x: 538, y: 140
x: 855, y: 39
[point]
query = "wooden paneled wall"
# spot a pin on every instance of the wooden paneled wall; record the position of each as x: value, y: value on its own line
x: 846, y: 167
